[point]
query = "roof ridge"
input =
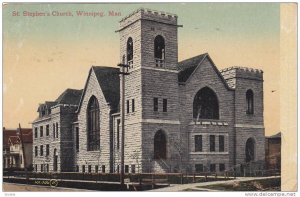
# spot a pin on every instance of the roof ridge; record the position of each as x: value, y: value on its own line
x: 194, y: 57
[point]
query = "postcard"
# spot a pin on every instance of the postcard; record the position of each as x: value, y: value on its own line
x: 149, y: 97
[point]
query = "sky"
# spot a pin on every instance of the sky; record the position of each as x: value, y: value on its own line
x: 44, y: 55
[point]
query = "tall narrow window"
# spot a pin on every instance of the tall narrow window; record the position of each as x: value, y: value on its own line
x: 127, y: 106
x: 41, y: 131
x: 155, y: 104
x: 212, y: 143
x: 221, y: 143
x: 41, y: 150
x: 118, y: 134
x: 249, y: 100
x: 159, y: 50
x: 165, y: 105
x: 56, y: 130
x: 53, y: 128
x: 103, y: 168
x: 83, y: 168
x: 55, y: 160
x: 126, y: 169
x: 77, y: 139
x: 47, y: 130
x: 93, y: 124
x: 89, y: 168
x: 123, y: 59
x: 47, y: 149
x: 36, y: 151
x: 96, y: 169
x: 133, y: 168
x: 35, y: 132
x: 132, y: 105
x: 205, y: 105
x: 198, y: 143
x: 130, y: 52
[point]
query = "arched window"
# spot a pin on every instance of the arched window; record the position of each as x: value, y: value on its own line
x: 159, y: 50
x: 93, y: 124
x: 206, y: 104
x: 160, y: 145
x: 250, y: 150
x: 129, y: 50
x: 249, y: 100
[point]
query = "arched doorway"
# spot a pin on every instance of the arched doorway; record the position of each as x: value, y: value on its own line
x: 55, y: 156
x: 250, y: 150
x: 160, y: 145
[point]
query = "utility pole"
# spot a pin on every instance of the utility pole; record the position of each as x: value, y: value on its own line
x: 24, y: 155
x: 124, y: 71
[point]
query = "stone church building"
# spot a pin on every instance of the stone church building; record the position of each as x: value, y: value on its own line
x: 184, y: 115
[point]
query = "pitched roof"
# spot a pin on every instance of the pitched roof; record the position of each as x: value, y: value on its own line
x: 69, y: 96
x: 187, y: 67
x: 6, y: 134
x: 278, y: 135
x: 14, y: 140
x: 109, y: 81
x: 12, y: 134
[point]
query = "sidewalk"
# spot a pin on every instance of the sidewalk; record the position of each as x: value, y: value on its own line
x: 193, y: 186
x: 16, y: 187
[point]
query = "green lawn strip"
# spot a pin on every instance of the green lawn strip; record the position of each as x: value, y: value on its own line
x: 254, y: 185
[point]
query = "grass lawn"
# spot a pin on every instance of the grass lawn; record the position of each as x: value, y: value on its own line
x: 272, y: 184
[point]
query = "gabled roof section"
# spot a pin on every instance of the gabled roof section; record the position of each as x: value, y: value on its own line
x: 14, y: 140
x: 109, y: 82
x: 7, y: 133
x: 69, y: 96
x: 188, y: 67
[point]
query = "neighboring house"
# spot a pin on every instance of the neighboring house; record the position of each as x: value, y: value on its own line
x: 184, y: 115
x: 13, y: 156
x: 273, y: 151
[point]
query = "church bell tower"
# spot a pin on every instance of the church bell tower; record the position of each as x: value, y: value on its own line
x: 148, y: 45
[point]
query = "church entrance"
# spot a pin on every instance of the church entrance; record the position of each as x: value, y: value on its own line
x: 250, y: 150
x: 160, y: 145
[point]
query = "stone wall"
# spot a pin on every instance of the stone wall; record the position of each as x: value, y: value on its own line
x: 206, y: 76
x: 62, y: 116
x: 100, y: 157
